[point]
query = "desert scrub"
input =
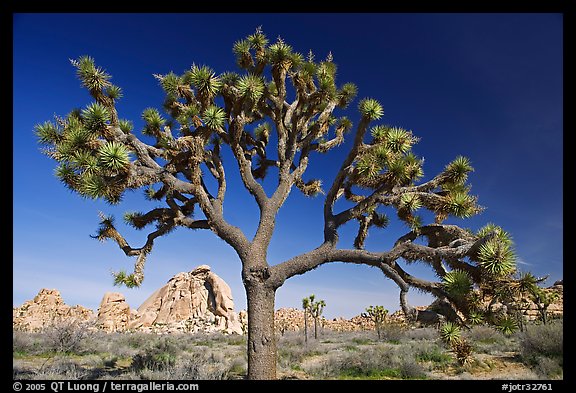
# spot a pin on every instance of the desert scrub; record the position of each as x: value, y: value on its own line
x: 382, y: 361
x: 542, y: 348
x: 490, y: 341
x: 433, y: 356
x: 392, y: 332
x: 159, y: 355
x: 421, y: 334
x: 291, y: 356
x: 25, y: 343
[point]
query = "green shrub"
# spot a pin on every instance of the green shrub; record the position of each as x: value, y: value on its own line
x: 160, y: 355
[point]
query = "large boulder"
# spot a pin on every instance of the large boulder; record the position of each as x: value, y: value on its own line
x: 114, y: 313
x: 45, y: 310
x: 191, y: 301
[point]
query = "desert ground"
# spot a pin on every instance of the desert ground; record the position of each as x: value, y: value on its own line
x: 401, y: 353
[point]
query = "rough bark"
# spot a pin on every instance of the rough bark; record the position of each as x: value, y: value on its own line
x: 261, y: 337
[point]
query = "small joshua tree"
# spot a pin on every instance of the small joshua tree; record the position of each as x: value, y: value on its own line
x: 306, y: 307
x: 378, y: 315
x: 272, y: 116
x: 315, y: 309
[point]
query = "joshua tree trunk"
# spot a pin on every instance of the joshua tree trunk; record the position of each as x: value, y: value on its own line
x: 305, y: 327
x: 315, y: 329
x: 261, y: 337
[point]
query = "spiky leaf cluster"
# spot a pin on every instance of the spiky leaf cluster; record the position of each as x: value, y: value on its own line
x: 457, y: 283
x: 88, y: 163
x: 205, y: 81
x: 94, y: 78
x: 214, y: 117
x: 251, y: 87
x: 506, y: 325
x: 123, y: 278
x: 371, y: 109
x: 388, y: 159
x: 496, y: 256
x: 450, y: 333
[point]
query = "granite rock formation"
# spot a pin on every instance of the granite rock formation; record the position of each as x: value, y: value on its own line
x: 47, y: 309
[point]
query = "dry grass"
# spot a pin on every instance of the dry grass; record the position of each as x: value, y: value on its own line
x: 401, y: 354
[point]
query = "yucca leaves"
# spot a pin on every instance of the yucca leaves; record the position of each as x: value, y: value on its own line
x: 171, y: 83
x: 214, y: 117
x: 47, y: 133
x: 242, y: 51
x: 251, y: 87
x: 114, y: 92
x: 257, y: 40
x: 380, y: 220
x: 67, y: 175
x: 153, y: 120
x: 379, y: 133
x: 450, y: 333
x: 460, y: 204
x: 476, y: 318
x: 398, y: 171
x: 229, y: 78
x: 527, y: 282
x: 457, y: 283
x: 85, y: 161
x: 280, y: 55
x: 92, y: 77
x: 506, y: 325
x: 399, y: 140
x: 78, y: 137
x: 343, y: 123
x: 371, y: 109
x: 135, y: 220
x: 410, y: 201
x: 114, y: 156
x: 95, y: 117
x: 368, y: 166
x: 497, y: 257
x: 457, y: 171
x: 93, y: 186
x: 463, y: 350
x: 126, y: 125
x: 204, y: 79
x: 413, y: 166
x: 122, y: 278
x: 496, y: 231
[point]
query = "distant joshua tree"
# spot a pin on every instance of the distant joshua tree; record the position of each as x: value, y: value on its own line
x: 270, y: 119
x: 378, y: 315
x: 306, y: 307
x: 315, y: 309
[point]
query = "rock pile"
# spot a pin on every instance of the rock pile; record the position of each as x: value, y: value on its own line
x: 46, y: 309
x: 292, y: 320
x: 190, y: 302
x: 114, y: 314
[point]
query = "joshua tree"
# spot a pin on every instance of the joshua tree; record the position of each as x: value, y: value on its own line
x: 273, y: 116
x: 306, y: 307
x: 315, y: 309
x: 378, y: 315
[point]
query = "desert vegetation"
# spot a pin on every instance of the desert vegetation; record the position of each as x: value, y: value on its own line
x: 401, y: 353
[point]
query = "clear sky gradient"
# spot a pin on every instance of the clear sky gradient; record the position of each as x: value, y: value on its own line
x: 486, y: 86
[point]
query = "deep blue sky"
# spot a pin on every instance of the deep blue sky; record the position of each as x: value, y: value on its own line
x: 487, y: 86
